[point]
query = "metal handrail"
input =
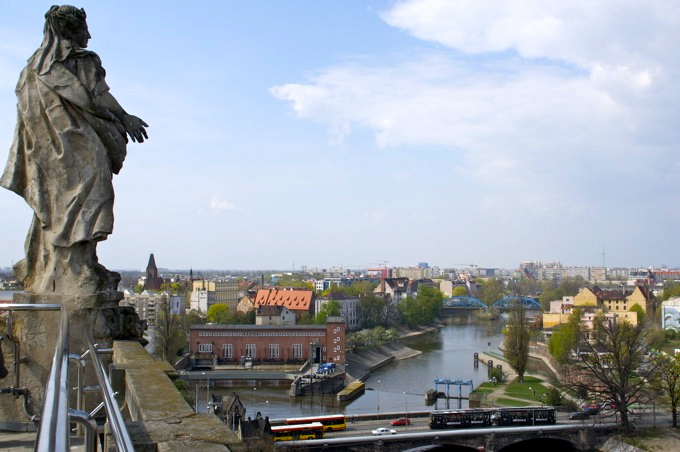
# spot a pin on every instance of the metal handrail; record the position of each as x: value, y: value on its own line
x: 53, y: 432
x: 115, y: 418
x: 54, y: 428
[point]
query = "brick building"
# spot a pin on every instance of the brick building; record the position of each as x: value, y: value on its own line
x: 269, y: 344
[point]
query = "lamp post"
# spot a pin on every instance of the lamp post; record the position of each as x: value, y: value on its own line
x: 254, y: 389
x: 207, y: 388
x: 406, y: 404
x: 378, y: 396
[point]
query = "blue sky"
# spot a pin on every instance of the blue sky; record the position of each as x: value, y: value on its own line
x: 291, y: 133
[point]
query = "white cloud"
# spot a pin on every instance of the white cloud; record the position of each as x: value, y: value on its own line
x: 218, y: 204
x: 586, y: 88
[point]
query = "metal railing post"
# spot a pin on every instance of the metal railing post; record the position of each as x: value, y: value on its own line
x: 53, y: 432
x: 115, y: 418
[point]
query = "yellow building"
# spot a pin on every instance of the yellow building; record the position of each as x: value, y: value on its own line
x: 615, y: 301
x: 586, y: 297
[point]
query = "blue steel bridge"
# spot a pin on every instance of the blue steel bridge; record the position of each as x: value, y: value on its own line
x: 465, y: 302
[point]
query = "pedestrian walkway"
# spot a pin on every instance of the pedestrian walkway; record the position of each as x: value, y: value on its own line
x: 25, y: 441
x: 17, y: 441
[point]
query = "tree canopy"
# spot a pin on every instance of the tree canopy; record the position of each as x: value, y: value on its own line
x: 516, y: 341
x: 424, y: 309
x: 566, y: 338
x: 329, y: 309
x: 371, y: 310
x: 492, y: 290
x: 218, y: 313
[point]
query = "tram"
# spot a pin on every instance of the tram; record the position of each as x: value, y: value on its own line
x: 479, y: 417
x: 486, y: 417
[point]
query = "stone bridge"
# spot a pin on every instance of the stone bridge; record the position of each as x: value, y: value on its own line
x: 552, y: 437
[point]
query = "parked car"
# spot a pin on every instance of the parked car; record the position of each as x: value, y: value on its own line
x: 592, y: 408
x: 609, y: 406
x: 401, y: 421
x: 579, y: 415
x: 383, y: 431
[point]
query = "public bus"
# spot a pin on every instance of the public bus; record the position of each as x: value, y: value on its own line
x: 297, y: 432
x: 331, y: 422
x: 479, y: 417
x: 530, y: 415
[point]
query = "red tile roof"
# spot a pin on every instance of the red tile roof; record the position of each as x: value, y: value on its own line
x: 293, y: 299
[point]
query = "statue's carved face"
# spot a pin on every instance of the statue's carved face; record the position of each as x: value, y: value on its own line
x: 81, y: 36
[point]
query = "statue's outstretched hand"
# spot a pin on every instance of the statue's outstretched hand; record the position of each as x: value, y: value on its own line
x: 135, y: 127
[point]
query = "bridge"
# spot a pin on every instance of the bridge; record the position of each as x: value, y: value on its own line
x: 578, y: 436
x: 465, y: 302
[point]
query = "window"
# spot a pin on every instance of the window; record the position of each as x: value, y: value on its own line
x: 227, y: 351
x: 273, y: 350
x: 204, y: 348
x: 297, y: 350
x: 250, y: 350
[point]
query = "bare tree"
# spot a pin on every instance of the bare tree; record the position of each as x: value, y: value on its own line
x: 609, y: 365
x: 168, y: 330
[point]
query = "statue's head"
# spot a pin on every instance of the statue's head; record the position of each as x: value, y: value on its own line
x: 69, y: 23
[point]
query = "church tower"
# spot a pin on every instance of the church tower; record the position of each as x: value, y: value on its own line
x: 152, y: 281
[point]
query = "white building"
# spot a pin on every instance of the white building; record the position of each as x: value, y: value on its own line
x: 670, y: 314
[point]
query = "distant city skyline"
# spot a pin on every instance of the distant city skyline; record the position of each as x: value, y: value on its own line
x: 354, y: 133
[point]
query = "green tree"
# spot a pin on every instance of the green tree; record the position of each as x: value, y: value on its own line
x: 430, y: 298
x: 218, y: 313
x: 640, y: 312
x: 459, y: 291
x: 139, y: 288
x: 329, y: 309
x: 566, y: 338
x: 492, y: 290
x: 517, y: 337
x: 409, y: 312
x: 371, y: 310
x: 666, y: 380
x: 358, y: 288
x: 671, y: 290
x: 424, y: 309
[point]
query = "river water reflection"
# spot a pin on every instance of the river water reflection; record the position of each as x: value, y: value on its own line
x: 396, y: 388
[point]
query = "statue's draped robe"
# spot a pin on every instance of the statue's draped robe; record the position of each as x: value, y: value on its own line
x: 66, y: 147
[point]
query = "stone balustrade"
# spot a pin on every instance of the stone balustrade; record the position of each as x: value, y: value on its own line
x: 160, y: 418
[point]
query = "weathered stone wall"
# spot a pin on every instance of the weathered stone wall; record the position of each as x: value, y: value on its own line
x: 160, y: 418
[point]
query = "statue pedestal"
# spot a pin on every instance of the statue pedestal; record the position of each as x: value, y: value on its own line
x: 34, y: 336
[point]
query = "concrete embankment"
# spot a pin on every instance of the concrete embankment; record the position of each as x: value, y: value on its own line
x: 360, y: 364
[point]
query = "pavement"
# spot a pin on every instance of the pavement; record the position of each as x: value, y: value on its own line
x: 17, y: 441
x: 25, y: 441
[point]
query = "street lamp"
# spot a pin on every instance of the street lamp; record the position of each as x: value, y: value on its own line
x: 406, y: 403
x: 254, y: 389
x: 378, y: 396
x: 207, y: 387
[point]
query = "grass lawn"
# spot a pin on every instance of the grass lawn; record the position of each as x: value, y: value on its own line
x: 530, y: 389
x: 502, y: 401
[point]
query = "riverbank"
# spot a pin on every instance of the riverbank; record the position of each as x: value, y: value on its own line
x: 360, y: 364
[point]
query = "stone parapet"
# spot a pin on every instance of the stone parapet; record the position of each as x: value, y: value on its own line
x: 160, y: 417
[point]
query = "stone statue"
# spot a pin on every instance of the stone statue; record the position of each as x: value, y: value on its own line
x: 70, y: 139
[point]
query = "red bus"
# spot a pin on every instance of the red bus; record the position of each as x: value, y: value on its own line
x: 297, y: 432
x: 331, y: 422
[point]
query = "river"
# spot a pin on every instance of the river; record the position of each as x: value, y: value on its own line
x: 395, y: 388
